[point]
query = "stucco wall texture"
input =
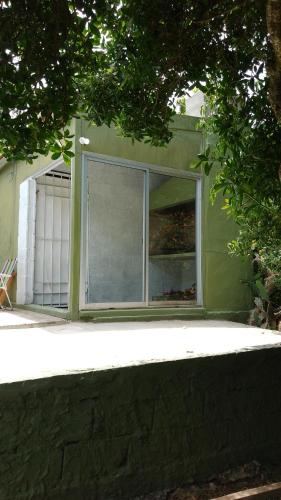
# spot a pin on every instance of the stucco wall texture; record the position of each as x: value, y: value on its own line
x: 222, y: 274
x: 120, y: 433
x: 223, y: 290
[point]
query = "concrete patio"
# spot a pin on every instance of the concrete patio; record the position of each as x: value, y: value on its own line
x: 63, y: 348
x: 22, y: 318
x: 113, y: 411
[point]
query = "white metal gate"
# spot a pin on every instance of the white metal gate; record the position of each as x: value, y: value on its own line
x: 52, y: 228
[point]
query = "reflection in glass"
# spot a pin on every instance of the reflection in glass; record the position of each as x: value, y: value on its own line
x: 126, y: 262
x: 115, y: 234
x: 172, y: 262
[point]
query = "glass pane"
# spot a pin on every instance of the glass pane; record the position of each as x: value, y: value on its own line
x: 172, y: 262
x: 115, y: 234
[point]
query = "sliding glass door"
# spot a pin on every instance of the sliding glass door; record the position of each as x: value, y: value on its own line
x: 140, y: 238
x: 172, y: 239
x: 115, y: 234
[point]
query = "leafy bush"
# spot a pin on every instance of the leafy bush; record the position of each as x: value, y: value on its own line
x: 247, y: 152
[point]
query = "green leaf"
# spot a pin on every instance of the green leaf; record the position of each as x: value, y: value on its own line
x: 207, y: 167
x: 195, y: 164
x: 56, y: 155
x: 68, y: 145
x: 70, y: 154
x: 66, y: 159
x: 263, y: 293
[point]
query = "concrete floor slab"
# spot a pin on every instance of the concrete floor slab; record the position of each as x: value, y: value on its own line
x: 21, y: 318
x: 31, y: 353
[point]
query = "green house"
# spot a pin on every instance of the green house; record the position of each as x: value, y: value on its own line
x: 127, y: 233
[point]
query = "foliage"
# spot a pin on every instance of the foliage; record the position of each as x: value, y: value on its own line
x: 124, y: 63
x: 248, y: 152
x: 266, y: 289
x: 115, y: 63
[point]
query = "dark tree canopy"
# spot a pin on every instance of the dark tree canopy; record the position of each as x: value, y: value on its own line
x: 121, y: 62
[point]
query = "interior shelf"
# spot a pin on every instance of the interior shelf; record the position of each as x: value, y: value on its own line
x: 174, y: 256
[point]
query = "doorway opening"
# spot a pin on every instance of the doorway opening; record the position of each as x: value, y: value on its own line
x: 44, y: 239
x: 52, y: 237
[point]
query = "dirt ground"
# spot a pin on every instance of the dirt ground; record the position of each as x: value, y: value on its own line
x: 246, y: 476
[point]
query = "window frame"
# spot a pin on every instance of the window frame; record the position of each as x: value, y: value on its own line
x: 146, y: 168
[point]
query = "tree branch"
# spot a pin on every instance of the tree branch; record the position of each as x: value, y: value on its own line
x: 273, y: 17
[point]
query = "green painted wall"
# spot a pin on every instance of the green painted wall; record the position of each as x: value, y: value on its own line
x: 116, y: 434
x: 222, y: 275
x: 11, y: 176
x: 178, y: 154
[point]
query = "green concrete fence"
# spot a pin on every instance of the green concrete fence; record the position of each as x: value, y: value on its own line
x: 119, y: 433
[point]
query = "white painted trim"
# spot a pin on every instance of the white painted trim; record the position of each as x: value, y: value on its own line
x: 51, y: 166
x: 26, y: 242
x: 26, y: 234
x: 54, y: 164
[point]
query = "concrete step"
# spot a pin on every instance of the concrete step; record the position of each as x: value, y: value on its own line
x: 19, y: 318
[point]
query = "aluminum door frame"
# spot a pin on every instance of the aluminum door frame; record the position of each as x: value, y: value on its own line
x: 146, y: 168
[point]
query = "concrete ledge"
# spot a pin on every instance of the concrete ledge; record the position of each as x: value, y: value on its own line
x: 46, y: 310
x: 161, y: 313
x: 10, y: 320
x: 123, y: 432
x: 74, y: 347
x: 143, y: 314
x: 237, y: 316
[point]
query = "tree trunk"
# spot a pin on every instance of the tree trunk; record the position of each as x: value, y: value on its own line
x: 273, y: 14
